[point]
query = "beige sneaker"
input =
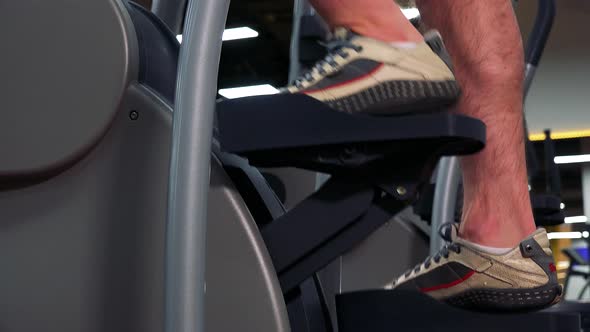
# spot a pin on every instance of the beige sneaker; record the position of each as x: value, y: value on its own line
x: 462, y: 275
x: 366, y: 75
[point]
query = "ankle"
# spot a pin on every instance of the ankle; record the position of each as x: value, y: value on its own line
x: 508, y: 240
x: 493, y: 233
x: 387, y: 33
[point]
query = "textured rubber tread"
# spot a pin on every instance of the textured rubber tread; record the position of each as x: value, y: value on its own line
x: 398, y: 97
x: 507, y: 299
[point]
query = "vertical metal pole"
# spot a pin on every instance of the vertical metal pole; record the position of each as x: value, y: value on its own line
x: 529, y: 75
x: 585, y: 148
x: 586, y: 189
x: 294, y: 67
x: 445, y: 199
x: 171, y: 12
x: 546, y: 12
x: 190, y: 165
x: 300, y: 8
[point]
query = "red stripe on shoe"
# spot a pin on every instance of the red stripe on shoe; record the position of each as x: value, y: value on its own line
x: 449, y: 285
x: 347, y: 82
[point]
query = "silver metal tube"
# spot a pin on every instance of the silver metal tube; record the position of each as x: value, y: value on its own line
x: 171, y: 12
x: 300, y: 8
x: 529, y: 75
x: 445, y: 199
x: 190, y: 165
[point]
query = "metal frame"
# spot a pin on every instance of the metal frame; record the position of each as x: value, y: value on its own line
x: 448, y: 178
x: 300, y: 8
x: 546, y: 12
x: 190, y: 165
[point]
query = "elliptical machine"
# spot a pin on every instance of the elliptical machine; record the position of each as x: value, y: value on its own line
x: 107, y: 193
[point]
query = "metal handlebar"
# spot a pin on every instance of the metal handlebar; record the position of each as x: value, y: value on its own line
x: 537, y: 41
x: 190, y: 165
x: 546, y: 11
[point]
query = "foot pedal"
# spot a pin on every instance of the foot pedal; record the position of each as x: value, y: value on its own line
x: 394, y: 310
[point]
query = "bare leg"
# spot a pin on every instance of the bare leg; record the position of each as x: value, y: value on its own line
x: 486, y: 47
x: 379, y: 19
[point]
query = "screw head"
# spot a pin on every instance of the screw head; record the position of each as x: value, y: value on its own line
x: 133, y: 115
x: 402, y: 191
x: 528, y: 248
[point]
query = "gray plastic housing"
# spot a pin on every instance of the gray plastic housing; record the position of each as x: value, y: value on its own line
x: 83, y: 248
x: 63, y: 74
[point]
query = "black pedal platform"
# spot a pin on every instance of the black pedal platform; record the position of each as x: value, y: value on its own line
x: 297, y: 130
x: 393, y: 310
x: 574, y: 307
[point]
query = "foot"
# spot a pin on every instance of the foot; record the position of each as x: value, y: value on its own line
x: 522, y: 279
x: 366, y: 75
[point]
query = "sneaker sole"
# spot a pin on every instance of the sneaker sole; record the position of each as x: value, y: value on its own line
x: 507, y: 299
x: 400, y: 97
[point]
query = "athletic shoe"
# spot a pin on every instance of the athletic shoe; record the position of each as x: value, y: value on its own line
x: 463, y: 275
x: 361, y: 74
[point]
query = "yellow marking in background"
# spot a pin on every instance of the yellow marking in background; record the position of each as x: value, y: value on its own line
x: 562, y: 135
